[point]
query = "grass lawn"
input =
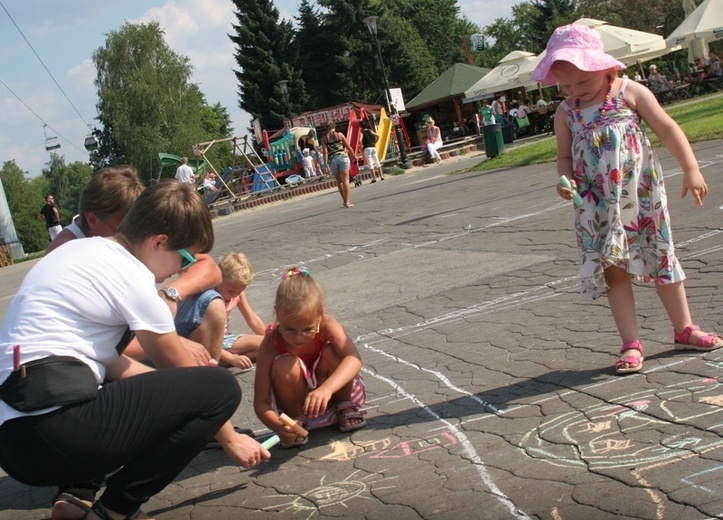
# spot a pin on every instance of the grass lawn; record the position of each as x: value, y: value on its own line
x: 700, y: 118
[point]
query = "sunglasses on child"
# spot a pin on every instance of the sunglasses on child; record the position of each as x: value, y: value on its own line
x: 187, y: 259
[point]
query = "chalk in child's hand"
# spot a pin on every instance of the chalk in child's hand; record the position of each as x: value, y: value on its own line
x: 288, y: 421
x: 271, y: 442
x: 576, y: 198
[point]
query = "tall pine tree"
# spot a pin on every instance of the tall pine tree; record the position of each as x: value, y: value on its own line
x: 263, y: 56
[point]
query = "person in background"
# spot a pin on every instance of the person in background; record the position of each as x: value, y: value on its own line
x: 371, y: 157
x: 185, y: 174
x: 49, y: 214
x: 656, y: 81
x: 434, y: 140
x: 338, y: 156
x: 488, y: 117
x: 540, y: 103
x: 209, y: 183
x: 622, y: 226
x: 313, y: 146
x: 103, y: 203
x: 308, y: 164
x: 713, y: 69
x: 498, y: 111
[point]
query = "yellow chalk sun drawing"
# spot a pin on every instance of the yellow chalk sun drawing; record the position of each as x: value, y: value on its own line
x: 328, y: 495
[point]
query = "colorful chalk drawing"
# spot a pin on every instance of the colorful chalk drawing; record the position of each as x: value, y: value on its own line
x: 329, y: 495
x: 631, y: 431
x: 343, y: 451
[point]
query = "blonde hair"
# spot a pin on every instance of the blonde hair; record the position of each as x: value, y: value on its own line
x: 236, y: 268
x: 298, y: 293
x: 430, y: 121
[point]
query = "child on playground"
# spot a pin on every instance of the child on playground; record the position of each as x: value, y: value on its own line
x: 239, y: 350
x: 307, y: 367
x: 622, y: 225
x: 308, y: 163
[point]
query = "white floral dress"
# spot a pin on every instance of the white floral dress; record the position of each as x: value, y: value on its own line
x: 624, y: 219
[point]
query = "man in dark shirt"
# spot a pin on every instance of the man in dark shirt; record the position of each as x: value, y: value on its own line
x: 49, y: 214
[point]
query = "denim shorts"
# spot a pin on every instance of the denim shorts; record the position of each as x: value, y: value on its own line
x: 191, y: 312
x: 339, y: 163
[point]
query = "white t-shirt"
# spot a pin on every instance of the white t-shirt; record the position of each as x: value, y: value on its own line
x: 184, y: 173
x: 74, y: 227
x: 79, y: 302
x: 308, y: 163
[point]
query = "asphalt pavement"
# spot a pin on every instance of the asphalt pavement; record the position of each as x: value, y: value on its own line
x: 491, y: 389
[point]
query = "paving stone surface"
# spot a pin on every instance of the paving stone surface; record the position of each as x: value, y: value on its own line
x: 491, y: 392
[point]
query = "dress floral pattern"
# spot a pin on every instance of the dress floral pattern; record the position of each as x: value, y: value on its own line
x: 624, y: 219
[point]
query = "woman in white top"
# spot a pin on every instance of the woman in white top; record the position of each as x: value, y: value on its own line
x: 434, y: 140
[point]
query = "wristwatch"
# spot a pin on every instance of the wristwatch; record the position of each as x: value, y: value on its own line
x: 172, y: 294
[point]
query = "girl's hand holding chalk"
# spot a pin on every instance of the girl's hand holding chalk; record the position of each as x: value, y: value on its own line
x: 576, y: 198
x: 288, y: 421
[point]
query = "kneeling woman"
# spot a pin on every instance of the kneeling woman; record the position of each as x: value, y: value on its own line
x: 64, y: 334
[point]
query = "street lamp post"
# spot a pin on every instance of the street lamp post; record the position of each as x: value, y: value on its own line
x: 371, y: 23
x: 284, y: 86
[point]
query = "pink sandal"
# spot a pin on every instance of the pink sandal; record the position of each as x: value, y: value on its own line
x: 709, y: 341
x: 634, y: 363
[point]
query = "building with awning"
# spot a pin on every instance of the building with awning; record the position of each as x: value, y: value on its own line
x: 442, y: 99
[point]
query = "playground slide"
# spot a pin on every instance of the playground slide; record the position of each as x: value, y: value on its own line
x: 384, y: 130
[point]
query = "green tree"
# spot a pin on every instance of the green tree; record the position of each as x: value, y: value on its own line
x: 65, y: 182
x: 439, y: 25
x: 262, y: 44
x: 310, y: 39
x: 146, y: 103
x: 545, y: 18
x: 656, y: 16
x: 351, y: 54
x: 25, y: 198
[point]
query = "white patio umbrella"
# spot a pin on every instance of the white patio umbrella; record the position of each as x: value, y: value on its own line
x: 627, y: 45
x: 505, y: 76
x: 705, y: 22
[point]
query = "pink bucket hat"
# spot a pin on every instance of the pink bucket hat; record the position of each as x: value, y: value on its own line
x: 579, y: 45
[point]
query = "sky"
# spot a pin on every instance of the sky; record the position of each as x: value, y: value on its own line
x: 62, y: 36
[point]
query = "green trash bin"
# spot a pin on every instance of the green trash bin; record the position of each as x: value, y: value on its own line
x: 494, y: 143
x: 508, y: 133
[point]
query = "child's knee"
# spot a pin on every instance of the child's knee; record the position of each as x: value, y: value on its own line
x: 329, y: 359
x: 286, y: 370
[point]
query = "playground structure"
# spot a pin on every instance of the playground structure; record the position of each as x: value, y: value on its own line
x: 248, y: 173
x: 284, y: 154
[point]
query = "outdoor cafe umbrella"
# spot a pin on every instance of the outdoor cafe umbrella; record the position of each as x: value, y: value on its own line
x: 626, y: 45
x: 706, y: 22
x: 505, y: 76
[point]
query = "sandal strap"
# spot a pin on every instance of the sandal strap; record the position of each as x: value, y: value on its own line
x: 632, y: 345
x: 103, y: 513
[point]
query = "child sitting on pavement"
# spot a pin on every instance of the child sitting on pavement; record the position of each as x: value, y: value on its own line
x: 307, y: 367
x: 204, y: 318
x: 239, y: 350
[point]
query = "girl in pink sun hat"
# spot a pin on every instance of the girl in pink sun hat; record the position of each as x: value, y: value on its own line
x: 622, y: 223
